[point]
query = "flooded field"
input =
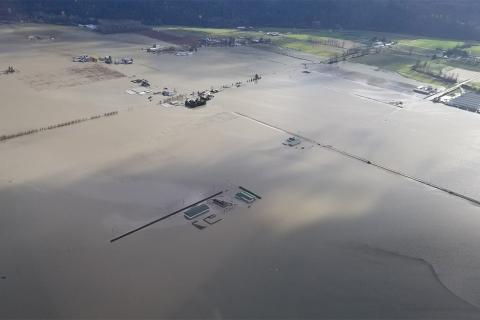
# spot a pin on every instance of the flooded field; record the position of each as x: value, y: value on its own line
x: 337, y: 232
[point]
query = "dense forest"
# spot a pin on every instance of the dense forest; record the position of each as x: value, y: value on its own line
x: 447, y: 18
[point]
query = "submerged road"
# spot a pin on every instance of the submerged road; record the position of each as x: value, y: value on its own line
x: 366, y: 161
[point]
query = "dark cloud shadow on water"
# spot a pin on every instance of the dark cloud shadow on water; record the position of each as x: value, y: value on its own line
x: 320, y: 268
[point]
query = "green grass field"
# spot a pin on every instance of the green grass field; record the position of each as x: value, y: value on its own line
x: 292, y: 39
x: 387, y: 61
x: 407, y: 72
x: 318, y: 50
x: 214, y: 31
x: 304, y: 37
x: 475, y: 86
x: 430, y: 44
x: 461, y: 65
x: 475, y: 50
x: 402, y: 65
x: 203, y: 32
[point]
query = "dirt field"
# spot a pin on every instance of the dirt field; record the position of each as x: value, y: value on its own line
x: 72, y: 76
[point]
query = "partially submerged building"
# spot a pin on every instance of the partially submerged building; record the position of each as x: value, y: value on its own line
x: 154, y: 48
x: 199, y: 100
x: 221, y: 203
x: 168, y: 92
x: 91, y: 27
x: 183, y: 53
x: 245, y: 197
x: 84, y: 58
x: 427, y: 90
x: 123, y: 61
x: 196, y: 211
x: 469, y: 101
x: 292, y: 141
x: 195, y: 102
x: 141, y: 82
x: 140, y: 91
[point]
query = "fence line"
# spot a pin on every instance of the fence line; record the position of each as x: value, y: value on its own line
x: 55, y: 126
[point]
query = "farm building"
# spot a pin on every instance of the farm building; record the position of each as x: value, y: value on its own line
x: 469, y: 101
x: 245, y: 197
x: 196, y: 211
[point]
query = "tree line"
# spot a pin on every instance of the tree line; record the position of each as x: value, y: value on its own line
x: 55, y: 126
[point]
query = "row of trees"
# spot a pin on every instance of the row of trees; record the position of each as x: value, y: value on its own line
x: 426, y: 68
x: 327, y: 42
x: 350, y: 53
x: 9, y: 70
x: 54, y: 126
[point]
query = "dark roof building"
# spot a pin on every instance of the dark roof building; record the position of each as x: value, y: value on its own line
x: 469, y: 101
x: 196, y: 211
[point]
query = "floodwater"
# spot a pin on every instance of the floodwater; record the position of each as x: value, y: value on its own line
x: 332, y: 237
